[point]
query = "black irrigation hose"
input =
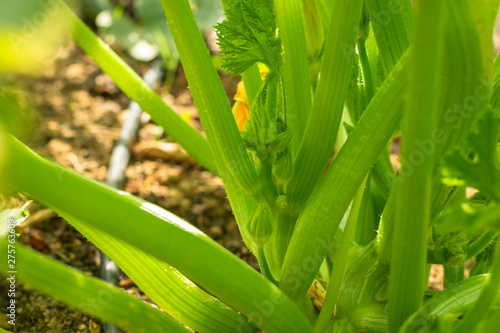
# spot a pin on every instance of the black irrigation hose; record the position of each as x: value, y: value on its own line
x: 117, y: 167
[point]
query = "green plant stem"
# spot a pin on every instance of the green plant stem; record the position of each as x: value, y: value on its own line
x: 392, y: 23
x: 324, y: 119
x: 315, y: 37
x: 383, y: 174
x: 366, y: 71
x: 470, y: 70
x: 266, y: 176
x: 385, y: 237
x: 242, y: 204
x: 276, y: 247
x: 490, y: 325
x: 202, y: 260
x: 253, y: 82
x: 138, y: 90
x: 366, y: 226
x: 382, y: 171
x: 165, y: 286
x: 325, y: 11
x: 308, y: 309
x: 409, y: 251
x: 88, y: 294
x: 480, y: 244
x: 461, y: 38
x: 264, y: 266
x: 450, y: 302
x: 325, y: 209
x: 485, y: 300
x: 296, y: 80
x: 210, y: 99
x: 339, y: 263
x: 452, y: 275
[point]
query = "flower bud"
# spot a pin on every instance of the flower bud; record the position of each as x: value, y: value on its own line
x: 261, y: 224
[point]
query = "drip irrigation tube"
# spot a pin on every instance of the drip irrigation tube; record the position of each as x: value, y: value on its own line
x: 117, y: 167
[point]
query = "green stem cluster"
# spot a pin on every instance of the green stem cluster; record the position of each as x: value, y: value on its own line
x: 408, y: 271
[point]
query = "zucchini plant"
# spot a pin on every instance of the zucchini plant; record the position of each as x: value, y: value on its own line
x: 343, y: 241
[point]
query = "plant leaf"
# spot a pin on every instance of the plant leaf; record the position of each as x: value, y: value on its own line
x: 482, y: 171
x: 453, y: 302
x: 11, y: 218
x: 167, y: 287
x: 156, y: 232
x: 88, y: 294
x: 468, y: 216
x: 248, y: 35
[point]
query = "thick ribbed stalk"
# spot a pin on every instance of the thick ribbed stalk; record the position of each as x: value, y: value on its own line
x: 326, y: 207
x: 296, y: 80
x: 453, y: 275
x: 462, y: 79
x: 392, y: 23
x: 339, y: 263
x: 315, y: 37
x: 408, y: 264
x: 324, y: 118
x: 209, y: 97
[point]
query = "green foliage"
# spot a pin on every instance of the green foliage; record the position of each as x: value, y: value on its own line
x: 307, y: 196
x: 11, y: 218
x: 248, y: 35
x: 477, y: 166
x: 88, y: 293
x: 261, y: 226
x: 451, y: 248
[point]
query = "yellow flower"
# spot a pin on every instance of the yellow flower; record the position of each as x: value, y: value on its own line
x: 241, y: 109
